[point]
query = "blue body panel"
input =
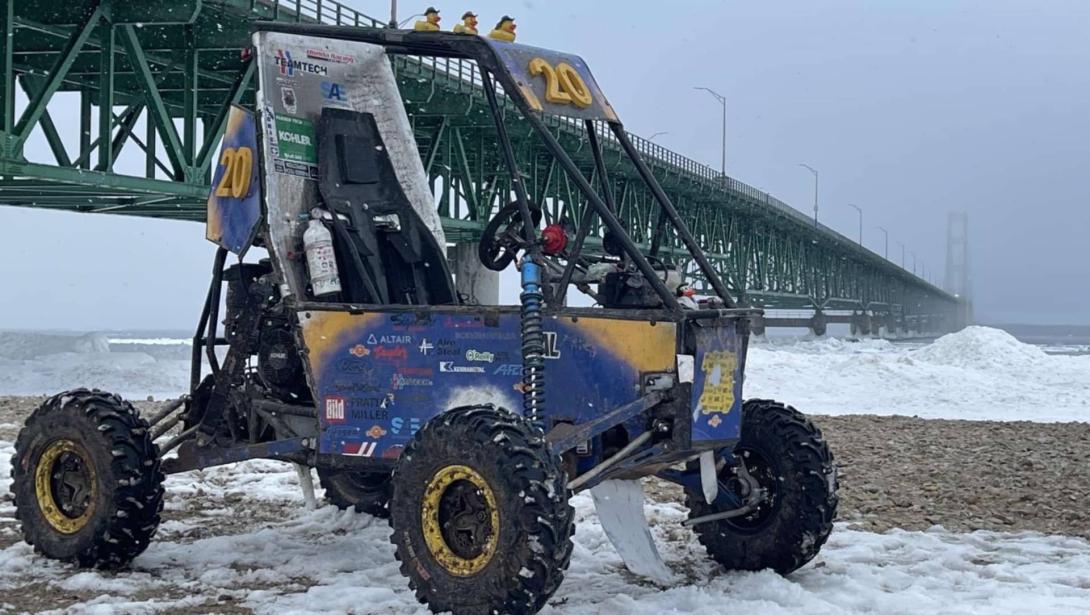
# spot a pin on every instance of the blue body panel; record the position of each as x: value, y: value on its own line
x: 379, y: 376
x: 717, y: 384
x: 517, y: 58
x: 232, y: 222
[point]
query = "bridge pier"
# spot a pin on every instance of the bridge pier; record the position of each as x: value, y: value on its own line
x: 480, y: 286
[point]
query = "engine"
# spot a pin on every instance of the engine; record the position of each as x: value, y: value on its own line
x: 279, y: 364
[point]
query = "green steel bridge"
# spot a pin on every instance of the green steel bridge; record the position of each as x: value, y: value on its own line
x: 153, y: 81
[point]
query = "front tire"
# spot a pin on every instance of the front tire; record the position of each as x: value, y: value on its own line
x: 480, y: 514
x: 787, y: 455
x: 86, y: 480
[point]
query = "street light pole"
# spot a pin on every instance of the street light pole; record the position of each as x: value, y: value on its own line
x: 886, y: 233
x: 722, y: 101
x: 913, y: 263
x: 902, y: 255
x: 393, y: 14
x: 814, y: 171
x: 658, y: 134
x: 860, y: 210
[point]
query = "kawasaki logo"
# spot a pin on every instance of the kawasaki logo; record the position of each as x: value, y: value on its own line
x: 288, y: 66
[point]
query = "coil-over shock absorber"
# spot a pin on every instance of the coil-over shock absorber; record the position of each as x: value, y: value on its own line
x: 533, y: 342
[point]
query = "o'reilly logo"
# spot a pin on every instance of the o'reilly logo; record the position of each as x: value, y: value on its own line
x: 288, y: 65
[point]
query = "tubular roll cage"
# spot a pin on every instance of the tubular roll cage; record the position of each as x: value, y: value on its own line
x: 495, y: 75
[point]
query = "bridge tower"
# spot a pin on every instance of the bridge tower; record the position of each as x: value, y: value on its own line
x: 957, y: 266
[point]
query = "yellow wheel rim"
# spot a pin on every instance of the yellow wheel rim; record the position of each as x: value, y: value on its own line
x: 56, y: 466
x: 460, y: 519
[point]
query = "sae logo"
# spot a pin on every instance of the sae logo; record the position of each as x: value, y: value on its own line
x: 334, y: 91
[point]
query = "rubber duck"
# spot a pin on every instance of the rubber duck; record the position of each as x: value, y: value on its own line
x: 505, y: 30
x: 468, y: 25
x: 430, y: 23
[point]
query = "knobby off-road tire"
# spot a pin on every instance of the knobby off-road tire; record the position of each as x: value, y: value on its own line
x: 86, y: 480
x: 787, y: 455
x: 480, y: 514
x: 366, y: 492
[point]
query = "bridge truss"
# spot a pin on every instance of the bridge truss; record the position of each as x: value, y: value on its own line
x: 154, y: 82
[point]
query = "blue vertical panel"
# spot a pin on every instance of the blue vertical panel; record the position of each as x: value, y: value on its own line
x: 234, y: 204
x: 717, y: 384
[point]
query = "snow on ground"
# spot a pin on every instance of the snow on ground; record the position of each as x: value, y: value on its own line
x: 238, y: 535
x: 323, y: 561
x: 978, y: 374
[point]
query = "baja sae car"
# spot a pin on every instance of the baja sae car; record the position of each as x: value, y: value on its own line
x: 348, y: 349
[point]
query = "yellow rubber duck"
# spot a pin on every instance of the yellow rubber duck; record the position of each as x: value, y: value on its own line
x: 505, y: 30
x: 430, y: 23
x: 468, y: 25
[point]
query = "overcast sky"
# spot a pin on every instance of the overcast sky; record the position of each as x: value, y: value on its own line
x: 909, y: 109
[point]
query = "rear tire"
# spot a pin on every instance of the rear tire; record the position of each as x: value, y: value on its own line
x: 480, y: 514
x: 86, y: 480
x: 366, y: 492
x: 787, y: 455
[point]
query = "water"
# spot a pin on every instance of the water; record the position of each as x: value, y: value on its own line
x: 1055, y: 339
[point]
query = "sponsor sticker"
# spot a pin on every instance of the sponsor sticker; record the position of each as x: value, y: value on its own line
x: 354, y: 387
x: 323, y: 55
x: 360, y: 449
x: 425, y: 347
x: 334, y: 92
x: 359, y: 350
x: 295, y: 151
x: 287, y: 96
x: 391, y: 352
x: 551, y: 349
x: 718, y: 394
x: 480, y: 357
x: 389, y: 340
x: 289, y: 65
x: 450, y: 368
x: 334, y: 409
x: 486, y: 335
x: 511, y: 369
x: 399, y: 424
x: 376, y: 432
x: 401, y: 381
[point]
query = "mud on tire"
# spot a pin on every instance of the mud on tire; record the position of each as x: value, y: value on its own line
x: 86, y: 480
x: 786, y: 453
x: 366, y: 492
x: 480, y: 514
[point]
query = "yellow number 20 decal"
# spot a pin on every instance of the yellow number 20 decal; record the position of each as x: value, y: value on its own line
x: 563, y: 85
x: 238, y: 169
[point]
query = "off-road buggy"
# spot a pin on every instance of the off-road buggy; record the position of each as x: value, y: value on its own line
x: 348, y: 349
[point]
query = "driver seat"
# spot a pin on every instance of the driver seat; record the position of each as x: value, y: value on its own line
x: 385, y: 252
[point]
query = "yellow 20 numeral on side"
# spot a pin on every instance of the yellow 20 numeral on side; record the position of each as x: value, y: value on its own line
x: 238, y: 169
x: 563, y: 85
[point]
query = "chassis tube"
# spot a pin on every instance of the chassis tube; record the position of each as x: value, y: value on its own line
x: 528, y: 230
x: 668, y: 208
x: 604, y: 213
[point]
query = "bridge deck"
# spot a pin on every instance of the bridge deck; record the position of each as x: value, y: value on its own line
x: 178, y: 65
